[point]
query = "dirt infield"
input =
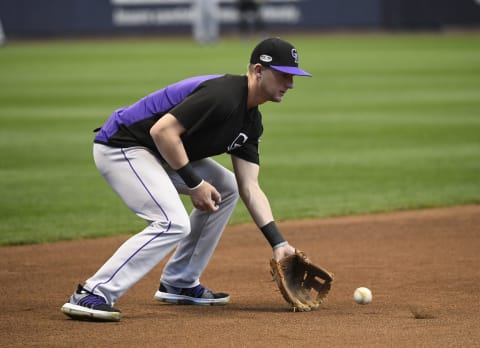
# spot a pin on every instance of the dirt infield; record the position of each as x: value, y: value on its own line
x: 422, y: 266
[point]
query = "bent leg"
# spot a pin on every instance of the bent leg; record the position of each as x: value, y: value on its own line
x: 185, y: 267
x: 140, y: 180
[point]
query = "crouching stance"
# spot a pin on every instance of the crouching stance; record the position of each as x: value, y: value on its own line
x: 160, y: 147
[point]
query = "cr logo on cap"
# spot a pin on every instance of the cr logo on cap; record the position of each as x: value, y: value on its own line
x: 294, y: 55
x: 265, y: 58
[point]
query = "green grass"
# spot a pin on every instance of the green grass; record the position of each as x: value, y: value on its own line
x: 388, y: 122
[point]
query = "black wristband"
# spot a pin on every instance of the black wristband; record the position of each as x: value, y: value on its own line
x: 273, y: 235
x: 187, y: 173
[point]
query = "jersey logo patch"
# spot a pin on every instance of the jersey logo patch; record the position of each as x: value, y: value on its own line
x: 238, y: 142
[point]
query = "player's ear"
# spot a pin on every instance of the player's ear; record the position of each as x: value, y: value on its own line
x: 258, y: 69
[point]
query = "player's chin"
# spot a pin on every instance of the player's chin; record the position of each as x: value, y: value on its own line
x: 277, y: 98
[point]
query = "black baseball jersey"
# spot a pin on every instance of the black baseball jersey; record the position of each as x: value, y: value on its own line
x: 212, y: 109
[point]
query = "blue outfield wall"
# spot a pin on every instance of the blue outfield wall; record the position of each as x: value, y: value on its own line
x: 50, y: 18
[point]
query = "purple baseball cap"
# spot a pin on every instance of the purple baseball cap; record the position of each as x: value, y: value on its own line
x: 278, y: 55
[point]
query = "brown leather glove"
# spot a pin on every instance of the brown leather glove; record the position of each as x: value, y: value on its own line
x: 302, y: 284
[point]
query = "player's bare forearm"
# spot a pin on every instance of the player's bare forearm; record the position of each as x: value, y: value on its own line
x: 166, y: 134
x: 250, y: 191
x: 259, y: 208
x: 257, y: 205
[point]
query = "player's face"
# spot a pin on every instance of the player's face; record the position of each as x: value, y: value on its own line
x: 276, y: 84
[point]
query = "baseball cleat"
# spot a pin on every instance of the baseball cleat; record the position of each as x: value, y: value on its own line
x: 198, y: 295
x: 84, y: 305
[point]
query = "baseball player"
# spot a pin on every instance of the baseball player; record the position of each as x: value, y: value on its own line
x: 160, y: 147
x: 205, y: 21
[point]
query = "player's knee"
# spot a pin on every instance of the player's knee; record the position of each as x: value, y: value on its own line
x: 183, y: 228
x: 180, y: 226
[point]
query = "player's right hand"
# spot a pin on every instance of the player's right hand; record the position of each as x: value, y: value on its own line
x: 206, y: 197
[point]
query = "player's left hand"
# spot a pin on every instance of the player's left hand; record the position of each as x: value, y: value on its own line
x: 303, y: 284
x: 283, y: 251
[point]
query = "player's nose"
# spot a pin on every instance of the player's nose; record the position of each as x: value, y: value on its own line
x: 290, y: 83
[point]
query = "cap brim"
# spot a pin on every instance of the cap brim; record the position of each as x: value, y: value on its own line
x: 290, y: 70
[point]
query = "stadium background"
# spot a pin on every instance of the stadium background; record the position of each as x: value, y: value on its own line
x: 31, y: 18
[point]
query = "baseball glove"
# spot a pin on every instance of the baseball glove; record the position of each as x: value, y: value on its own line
x: 302, y: 284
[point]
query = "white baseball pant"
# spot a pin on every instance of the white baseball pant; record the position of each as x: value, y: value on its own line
x: 151, y: 190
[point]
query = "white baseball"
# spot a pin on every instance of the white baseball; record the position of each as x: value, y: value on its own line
x: 362, y: 295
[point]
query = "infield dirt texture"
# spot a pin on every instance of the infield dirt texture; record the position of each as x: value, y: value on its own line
x: 422, y: 266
